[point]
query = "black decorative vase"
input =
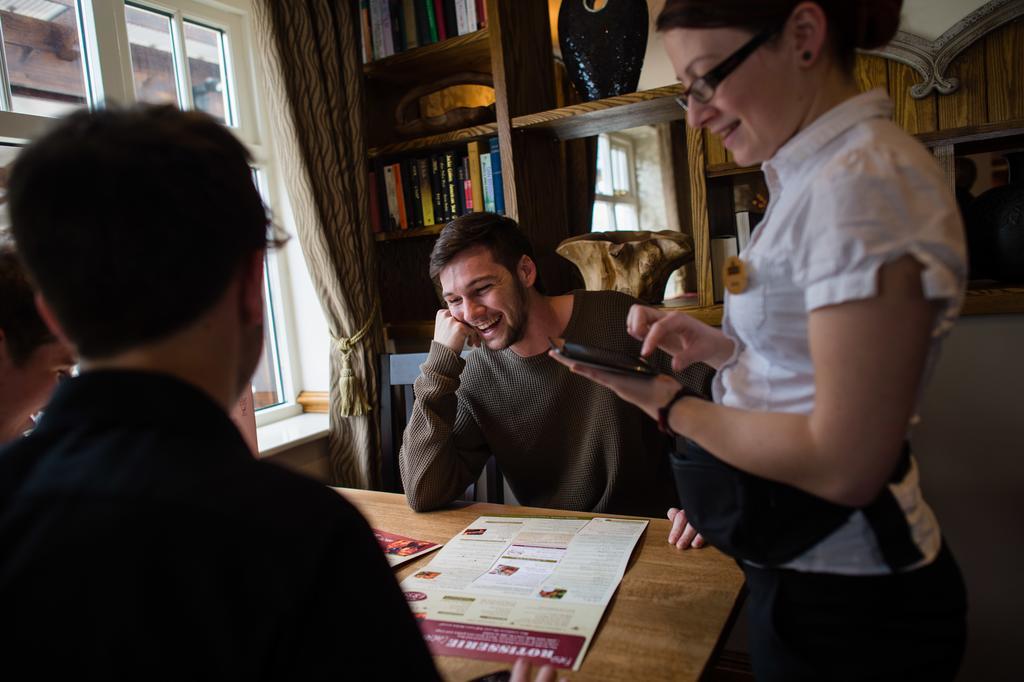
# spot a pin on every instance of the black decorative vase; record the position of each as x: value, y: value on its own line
x: 995, y: 224
x: 603, y: 49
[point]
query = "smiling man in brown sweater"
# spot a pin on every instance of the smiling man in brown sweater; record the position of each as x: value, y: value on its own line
x: 560, y: 441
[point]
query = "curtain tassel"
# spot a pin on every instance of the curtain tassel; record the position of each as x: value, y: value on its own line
x: 352, y: 400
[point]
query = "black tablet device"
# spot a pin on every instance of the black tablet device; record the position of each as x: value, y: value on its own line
x: 602, y: 358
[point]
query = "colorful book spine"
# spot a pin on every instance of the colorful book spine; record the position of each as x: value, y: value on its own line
x: 428, y: 6
x: 409, y: 25
x: 390, y: 191
x: 380, y: 27
x: 499, y: 189
x: 411, y: 183
x: 467, y: 186
x: 450, y: 22
x: 442, y: 28
x: 437, y: 180
x: 451, y: 185
x: 488, y: 181
x: 461, y: 19
x: 365, y: 31
x: 426, y: 191
x: 403, y: 220
x: 481, y: 13
x: 474, y: 176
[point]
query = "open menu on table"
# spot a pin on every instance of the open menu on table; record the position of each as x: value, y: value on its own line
x: 510, y: 587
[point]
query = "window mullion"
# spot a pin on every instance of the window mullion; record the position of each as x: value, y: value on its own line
x: 5, y: 81
x: 105, y: 40
x: 181, y: 62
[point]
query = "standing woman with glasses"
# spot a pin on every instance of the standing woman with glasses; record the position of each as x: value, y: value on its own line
x: 800, y: 467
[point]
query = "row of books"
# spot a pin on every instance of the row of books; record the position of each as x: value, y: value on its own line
x: 393, y: 26
x: 434, y: 189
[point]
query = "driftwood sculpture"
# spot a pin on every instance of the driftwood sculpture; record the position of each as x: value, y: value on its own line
x: 636, y: 263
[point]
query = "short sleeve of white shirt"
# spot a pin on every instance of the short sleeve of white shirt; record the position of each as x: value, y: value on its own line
x: 871, y: 206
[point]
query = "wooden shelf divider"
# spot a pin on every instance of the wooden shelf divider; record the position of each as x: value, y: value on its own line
x: 606, y: 115
x: 994, y: 301
x: 408, y: 234
x: 436, y: 141
x: 466, y: 53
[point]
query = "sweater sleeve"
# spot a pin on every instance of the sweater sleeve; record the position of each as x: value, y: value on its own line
x: 443, y: 449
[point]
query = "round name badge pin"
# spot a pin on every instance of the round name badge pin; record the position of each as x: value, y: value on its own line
x: 735, y: 275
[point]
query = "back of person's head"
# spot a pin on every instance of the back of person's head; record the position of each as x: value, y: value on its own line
x: 133, y: 222
x: 865, y: 24
x: 22, y: 328
x: 500, y: 235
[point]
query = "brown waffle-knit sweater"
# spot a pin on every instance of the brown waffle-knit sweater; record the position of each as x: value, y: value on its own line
x: 560, y: 440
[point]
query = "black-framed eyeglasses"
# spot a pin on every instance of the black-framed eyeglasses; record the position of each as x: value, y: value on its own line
x: 703, y: 89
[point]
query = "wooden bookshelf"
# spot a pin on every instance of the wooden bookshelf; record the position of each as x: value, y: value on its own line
x: 606, y: 115
x: 994, y: 301
x: 436, y: 141
x: 408, y: 234
x: 468, y: 53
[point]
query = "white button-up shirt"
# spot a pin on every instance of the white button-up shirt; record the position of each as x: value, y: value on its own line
x: 848, y: 194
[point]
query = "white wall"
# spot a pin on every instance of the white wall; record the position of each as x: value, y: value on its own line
x: 970, y: 445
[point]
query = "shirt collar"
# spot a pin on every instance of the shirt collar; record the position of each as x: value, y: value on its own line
x: 827, y: 127
x: 119, y: 398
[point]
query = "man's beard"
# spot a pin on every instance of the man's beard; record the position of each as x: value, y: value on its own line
x: 515, y: 318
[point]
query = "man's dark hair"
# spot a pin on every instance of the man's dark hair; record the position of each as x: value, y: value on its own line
x: 24, y: 331
x: 499, y: 234
x: 133, y: 221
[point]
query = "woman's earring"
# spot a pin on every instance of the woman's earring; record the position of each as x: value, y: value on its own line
x: 806, y: 55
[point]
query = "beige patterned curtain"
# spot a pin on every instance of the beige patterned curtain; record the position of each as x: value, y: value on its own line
x: 309, y: 58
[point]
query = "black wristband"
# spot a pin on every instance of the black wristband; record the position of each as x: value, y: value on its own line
x: 664, y: 410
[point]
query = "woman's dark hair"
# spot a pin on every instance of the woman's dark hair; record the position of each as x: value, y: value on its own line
x: 24, y: 331
x: 499, y: 234
x: 864, y: 24
x: 132, y: 222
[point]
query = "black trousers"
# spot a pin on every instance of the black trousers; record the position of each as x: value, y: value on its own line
x: 818, y: 626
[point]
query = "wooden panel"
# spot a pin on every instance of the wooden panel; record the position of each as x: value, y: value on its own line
x: 532, y: 172
x: 413, y: 233
x: 601, y: 116
x: 314, y: 401
x: 437, y: 141
x: 717, y: 156
x: 914, y: 115
x: 994, y: 301
x: 699, y: 216
x: 871, y: 72
x: 431, y: 62
x: 1004, y: 66
x: 406, y: 290
x: 967, y: 106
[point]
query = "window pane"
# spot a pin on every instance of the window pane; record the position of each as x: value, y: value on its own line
x: 152, y: 48
x: 625, y: 217
x: 43, y: 50
x: 620, y: 170
x: 603, y: 217
x: 604, y: 169
x: 204, y: 48
x: 266, y: 382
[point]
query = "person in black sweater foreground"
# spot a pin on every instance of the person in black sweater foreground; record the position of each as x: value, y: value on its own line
x: 139, y: 538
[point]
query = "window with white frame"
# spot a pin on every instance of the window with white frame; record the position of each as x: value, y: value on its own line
x: 615, y: 200
x: 59, y: 55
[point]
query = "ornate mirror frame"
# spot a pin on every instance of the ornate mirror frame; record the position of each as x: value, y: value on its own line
x: 930, y: 58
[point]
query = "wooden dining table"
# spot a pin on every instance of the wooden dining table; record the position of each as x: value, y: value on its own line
x: 670, y: 615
